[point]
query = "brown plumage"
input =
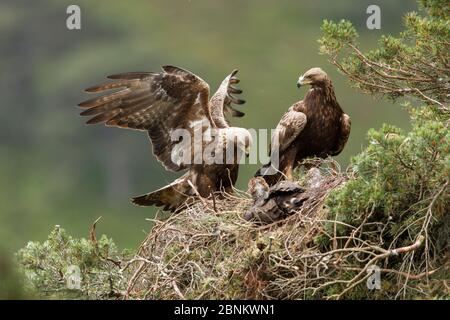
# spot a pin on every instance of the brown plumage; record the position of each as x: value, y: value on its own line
x: 284, y: 198
x: 160, y: 103
x: 275, y: 202
x: 313, y: 127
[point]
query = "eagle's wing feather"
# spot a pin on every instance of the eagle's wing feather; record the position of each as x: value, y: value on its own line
x: 344, y: 134
x: 283, y: 187
x: 155, y: 102
x: 287, y: 130
x: 221, y: 101
x: 289, y: 127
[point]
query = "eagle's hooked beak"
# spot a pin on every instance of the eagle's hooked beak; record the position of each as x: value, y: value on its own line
x: 302, y: 81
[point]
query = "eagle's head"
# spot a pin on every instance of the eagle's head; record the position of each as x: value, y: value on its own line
x: 258, y: 188
x: 314, y: 77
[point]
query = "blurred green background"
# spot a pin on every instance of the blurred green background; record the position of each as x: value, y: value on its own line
x: 56, y: 170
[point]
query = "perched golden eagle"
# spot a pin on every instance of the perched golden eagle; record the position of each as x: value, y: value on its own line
x: 313, y: 127
x: 174, y: 107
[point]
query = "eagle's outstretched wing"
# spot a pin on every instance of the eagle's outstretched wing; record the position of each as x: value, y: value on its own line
x: 155, y: 102
x: 161, y: 103
x: 221, y: 101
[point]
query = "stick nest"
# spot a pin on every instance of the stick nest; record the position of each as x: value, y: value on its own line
x: 208, y: 251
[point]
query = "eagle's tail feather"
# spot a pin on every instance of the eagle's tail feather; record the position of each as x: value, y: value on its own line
x: 170, y: 197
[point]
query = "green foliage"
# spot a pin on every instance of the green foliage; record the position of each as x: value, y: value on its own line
x: 436, y: 8
x: 336, y: 36
x: 398, y: 187
x: 47, y: 265
x: 398, y: 177
x: 398, y: 191
x: 414, y: 64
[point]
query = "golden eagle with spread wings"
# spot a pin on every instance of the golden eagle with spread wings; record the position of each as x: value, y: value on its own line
x: 165, y: 104
x: 314, y: 127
